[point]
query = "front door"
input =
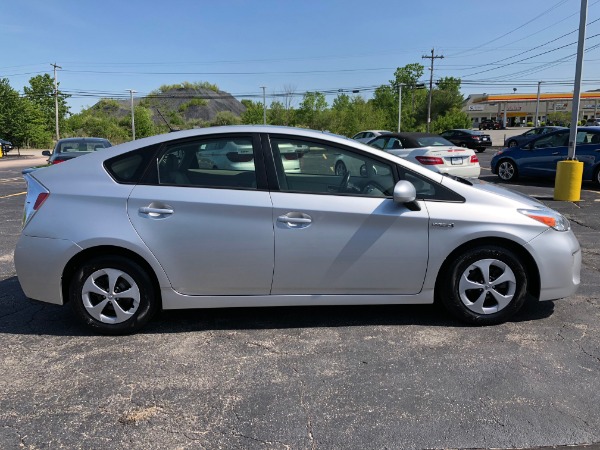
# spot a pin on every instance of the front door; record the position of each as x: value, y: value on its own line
x: 337, y: 230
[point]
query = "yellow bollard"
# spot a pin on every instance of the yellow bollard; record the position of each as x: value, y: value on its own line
x: 567, y: 186
x: 1, y: 153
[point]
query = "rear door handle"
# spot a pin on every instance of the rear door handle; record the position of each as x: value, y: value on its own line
x: 295, y: 220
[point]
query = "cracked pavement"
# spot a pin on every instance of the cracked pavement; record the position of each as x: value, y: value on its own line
x: 371, y: 377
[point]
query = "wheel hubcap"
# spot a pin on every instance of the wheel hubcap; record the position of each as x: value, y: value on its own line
x: 506, y: 171
x: 110, y: 296
x: 487, y: 286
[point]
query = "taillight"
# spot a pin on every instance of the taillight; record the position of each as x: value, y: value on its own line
x: 476, y: 138
x: 37, y: 194
x: 240, y: 157
x: 474, y: 159
x: 41, y: 198
x: 429, y: 160
x: 58, y: 160
x: 291, y: 156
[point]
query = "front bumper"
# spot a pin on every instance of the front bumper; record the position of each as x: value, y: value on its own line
x: 558, y: 256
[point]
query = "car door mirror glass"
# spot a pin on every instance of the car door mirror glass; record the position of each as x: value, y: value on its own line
x: 46, y: 153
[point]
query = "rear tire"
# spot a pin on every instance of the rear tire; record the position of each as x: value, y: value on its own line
x: 484, y: 285
x: 597, y: 176
x: 113, y: 295
x: 480, y: 150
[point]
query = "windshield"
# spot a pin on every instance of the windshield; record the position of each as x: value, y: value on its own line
x: 81, y: 146
x: 433, y: 141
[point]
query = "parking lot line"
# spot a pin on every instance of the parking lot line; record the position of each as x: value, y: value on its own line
x: 13, y: 195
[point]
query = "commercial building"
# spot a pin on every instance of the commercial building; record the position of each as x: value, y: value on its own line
x: 519, y: 109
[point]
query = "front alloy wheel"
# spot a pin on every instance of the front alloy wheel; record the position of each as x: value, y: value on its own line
x: 485, y: 285
x: 507, y: 170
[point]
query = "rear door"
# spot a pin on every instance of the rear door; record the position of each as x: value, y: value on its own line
x: 210, y: 228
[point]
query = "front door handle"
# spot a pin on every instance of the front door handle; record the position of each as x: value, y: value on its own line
x: 556, y: 153
x: 155, y: 211
x: 295, y: 219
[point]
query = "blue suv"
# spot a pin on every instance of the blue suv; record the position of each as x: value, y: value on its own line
x: 538, y: 157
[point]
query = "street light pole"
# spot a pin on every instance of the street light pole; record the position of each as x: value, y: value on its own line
x: 131, y: 92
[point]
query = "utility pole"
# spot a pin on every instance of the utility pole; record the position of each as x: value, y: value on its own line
x: 264, y: 105
x: 56, y: 99
x: 399, y: 105
x: 537, y: 105
x: 131, y: 92
x: 432, y: 58
x: 569, y: 172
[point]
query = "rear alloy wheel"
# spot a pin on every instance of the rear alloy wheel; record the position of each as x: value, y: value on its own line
x: 484, y: 286
x: 113, y: 295
x: 597, y: 176
x: 507, y: 170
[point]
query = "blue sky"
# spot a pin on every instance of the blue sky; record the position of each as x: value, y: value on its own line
x: 106, y: 47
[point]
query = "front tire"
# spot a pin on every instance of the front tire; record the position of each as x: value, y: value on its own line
x: 113, y: 295
x: 484, y: 285
x: 507, y: 170
x: 597, y: 176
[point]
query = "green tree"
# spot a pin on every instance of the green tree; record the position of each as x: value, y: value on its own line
x: 454, y: 118
x: 277, y: 114
x: 225, y: 118
x: 253, y: 114
x: 41, y: 93
x: 9, y: 110
x: 312, y: 111
x: 144, y: 125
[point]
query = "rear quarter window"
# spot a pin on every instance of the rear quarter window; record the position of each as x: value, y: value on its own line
x: 129, y: 167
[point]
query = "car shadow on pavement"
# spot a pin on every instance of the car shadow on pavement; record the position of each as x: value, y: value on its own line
x: 22, y: 316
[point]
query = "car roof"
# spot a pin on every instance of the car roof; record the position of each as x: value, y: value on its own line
x: 79, y: 139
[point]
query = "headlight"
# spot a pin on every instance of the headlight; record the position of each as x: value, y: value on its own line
x: 548, y: 217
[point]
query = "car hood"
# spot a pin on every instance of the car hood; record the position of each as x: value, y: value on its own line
x: 482, y: 185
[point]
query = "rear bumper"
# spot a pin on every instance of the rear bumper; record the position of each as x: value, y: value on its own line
x: 40, y: 263
x: 461, y: 171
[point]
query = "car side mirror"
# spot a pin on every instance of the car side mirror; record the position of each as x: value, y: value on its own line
x: 46, y: 153
x: 406, y: 194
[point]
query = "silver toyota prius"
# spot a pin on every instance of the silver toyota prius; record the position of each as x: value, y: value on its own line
x: 157, y: 223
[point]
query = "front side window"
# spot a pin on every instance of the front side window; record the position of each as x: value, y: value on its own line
x: 554, y: 140
x: 212, y: 163
x: 316, y: 168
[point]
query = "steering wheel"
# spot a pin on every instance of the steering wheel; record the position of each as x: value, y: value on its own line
x: 345, y: 180
x: 373, y: 188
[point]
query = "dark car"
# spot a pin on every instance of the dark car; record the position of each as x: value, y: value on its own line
x: 522, y: 139
x: 468, y: 138
x: 70, y: 148
x: 538, y: 158
x: 5, y: 146
x: 490, y: 124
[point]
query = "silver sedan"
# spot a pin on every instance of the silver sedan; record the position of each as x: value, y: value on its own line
x: 148, y: 224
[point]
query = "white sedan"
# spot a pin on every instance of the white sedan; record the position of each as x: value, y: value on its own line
x: 432, y: 151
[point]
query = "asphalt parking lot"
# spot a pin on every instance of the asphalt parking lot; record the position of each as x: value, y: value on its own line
x: 372, y: 377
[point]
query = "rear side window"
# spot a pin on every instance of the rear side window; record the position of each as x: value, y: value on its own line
x: 129, y: 167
